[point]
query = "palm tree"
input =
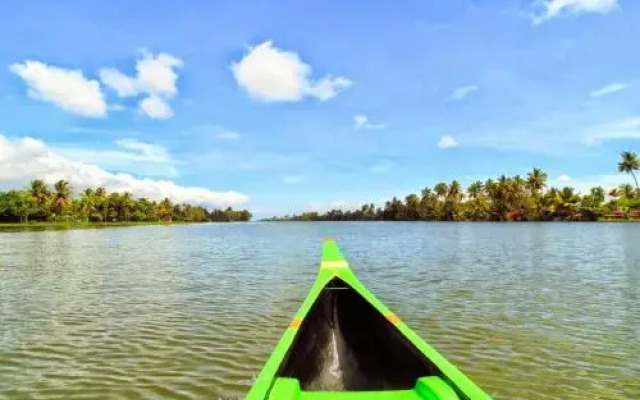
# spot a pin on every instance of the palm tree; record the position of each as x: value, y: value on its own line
x: 568, y: 202
x: 87, y: 203
x: 62, y: 196
x: 627, y: 191
x: 164, y: 209
x: 427, y: 204
x: 628, y: 163
x: 455, y: 189
x: 40, y: 196
x: 598, y: 194
x: 39, y: 192
x: 412, y: 207
x: 536, y: 180
x: 127, y: 203
x: 441, y: 189
x: 454, y: 195
x: 102, y: 203
x: 518, y: 183
x: 475, y: 189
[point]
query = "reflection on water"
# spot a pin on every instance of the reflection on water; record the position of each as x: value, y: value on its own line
x: 529, y: 311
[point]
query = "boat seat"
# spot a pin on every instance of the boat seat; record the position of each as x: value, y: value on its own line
x: 427, y: 388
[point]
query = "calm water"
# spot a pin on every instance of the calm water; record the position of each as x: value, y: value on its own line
x: 536, y: 311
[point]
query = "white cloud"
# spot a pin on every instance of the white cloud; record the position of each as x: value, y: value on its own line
x: 363, y: 122
x: 328, y: 87
x: 122, y: 84
x: 293, y: 179
x: 609, y: 89
x: 268, y: 73
x: 554, y: 8
x: 156, y: 73
x: 462, y: 92
x: 628, y: 128
x: 130, y: 155
x: 564, y: 178
x: 66, y: 88
x: 150, y: 152
x: 156, y: 79
x: 228, y: 135
x: 155, y: 107
x: 24, y: 159
x: 447, y: 142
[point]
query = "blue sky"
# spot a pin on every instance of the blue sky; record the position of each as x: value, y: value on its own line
x: 286, y: 106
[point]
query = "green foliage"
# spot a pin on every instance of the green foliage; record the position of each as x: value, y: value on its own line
x: 503, y: 199
x: 629, y: 162
x: 39, y: 203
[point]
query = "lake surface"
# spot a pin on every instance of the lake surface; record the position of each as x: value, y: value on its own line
x: 528, y: 311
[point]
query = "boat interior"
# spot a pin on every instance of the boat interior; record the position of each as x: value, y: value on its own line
x: 345, y: 344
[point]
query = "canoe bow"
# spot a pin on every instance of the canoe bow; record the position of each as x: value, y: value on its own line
x: 343, y: 343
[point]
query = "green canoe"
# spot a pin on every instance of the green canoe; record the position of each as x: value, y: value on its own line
x: 344, y: 344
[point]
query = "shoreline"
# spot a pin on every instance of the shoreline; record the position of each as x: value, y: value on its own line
x: 25, y: 226
x: 632, y: 220
x: 43, y: 226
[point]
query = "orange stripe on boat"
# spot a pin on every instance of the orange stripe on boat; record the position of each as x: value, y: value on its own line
x: 295, y: 324
x: 391, y: 317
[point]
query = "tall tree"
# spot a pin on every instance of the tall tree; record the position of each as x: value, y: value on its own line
x: 127, y: 203
x: 441, y: 189
x: 164, y: 210
x: 39, y: 192
x: 40, y: 196
x: 475, y: 189
x: 61, y: 196
x: 629, y: 163
x: 87, y: 203
x: 627, y: 191
x: 101, y: 203
x: 536, y: 180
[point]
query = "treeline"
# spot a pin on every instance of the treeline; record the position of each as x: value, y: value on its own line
x: 504, y: 199
x: 38, y: 202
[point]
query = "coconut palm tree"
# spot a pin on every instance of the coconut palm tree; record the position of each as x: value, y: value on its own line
x: 127, y: 203
x: 628, y: 163
x: 568, y: 202
x: 40, y: 196
x: 455, y: 190
x: 627, y: 191
x: 475, y: 189
x: 87, y: 203
x: 101, y: 203
x: 412, y: 207
x: 61, y: 196
x: 598, y: 194
x: 164, y: 209
x: 536, y: 180
x: 39, y: 192
x: 441, y: 189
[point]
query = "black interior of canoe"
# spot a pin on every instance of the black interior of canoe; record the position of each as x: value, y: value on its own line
x: 344, y: 343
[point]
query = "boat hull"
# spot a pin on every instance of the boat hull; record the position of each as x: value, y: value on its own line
x: 344, y: 343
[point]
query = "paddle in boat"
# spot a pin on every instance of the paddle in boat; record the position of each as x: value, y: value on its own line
x: 344, y: 344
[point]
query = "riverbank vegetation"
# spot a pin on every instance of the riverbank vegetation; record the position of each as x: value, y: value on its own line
x: 514, y: 198
x: 39, y: 203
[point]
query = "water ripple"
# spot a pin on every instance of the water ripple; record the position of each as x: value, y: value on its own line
x: 535, y: 311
